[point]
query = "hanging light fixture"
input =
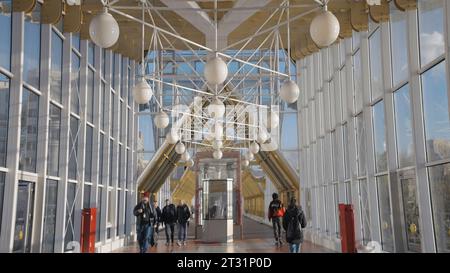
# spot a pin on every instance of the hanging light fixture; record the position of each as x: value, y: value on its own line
x: 289, y: 91
x: 262, y: 137
x: 142, y: 92
x: 254, y: 147
x: 103, y: 29
x: 185, y: 156
x: 190, y: 162
x: 161, y: 120
x: 217, y: 154
x: 216, y: 108
x: 245, y: 163
x: 180, y: 148
x: 324, y: 28
x: 249, y: 155
x: 216, y: 70
x: 172, y: 137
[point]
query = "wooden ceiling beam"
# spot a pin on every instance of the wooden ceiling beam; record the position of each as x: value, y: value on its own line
x: 359, y: 16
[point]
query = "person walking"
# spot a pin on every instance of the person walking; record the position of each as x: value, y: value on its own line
x: 293, y: 222
x: 156, y: 222
x: 145, y: 216
x: 168, y: 219
x: 275, y: 213
x: 183, y: 215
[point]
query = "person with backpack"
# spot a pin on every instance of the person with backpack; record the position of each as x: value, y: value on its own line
x: 183, y: 215
x: 145, y: 217
x: 293, y: 222
x: 168, y: 219
x: 276, y: 212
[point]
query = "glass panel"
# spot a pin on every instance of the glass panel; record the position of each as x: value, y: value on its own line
x: 101, y: 179
x: 345, y: 149
x: 215, y: 201
x: 110, y: 208
x: 103, y: 105
x: 289, y: 139
x: 431, y: 30
x: 399, y: 45
x: 90, y: 96
x: 2, y: 193
x: 123, y: 78
x: 91, y: 53
x: 440, y: 199
x: 99, y: 213
x: 113, y: 70
x: 73, y: 148
x: 32, y: 47
x: 88, y: 154
x: 119, y: 177
x: 118, y: 224
x: 361, y: 144
x: 75, y: 84
x: 411, y: 214
x: 111, y: 156
x: 384, y: 204
x: 76, y: 41
x: 51, y: 197
x: 104, y: 57
x: 403, y: 126
x: 146, y: 134
x: 357, y: 81
x: 54, y: 128
x: 70, y: 215
x: 379, y: 134
x: 365, y: 213
x: 376, y: 71
x: 111, y: 113
x: 56, y: 67
x: 336, y: 208
x: 87, y: 196
x: 5, y: 30
x: 436, y: 112
x: 4, y: 114
x: 29, y: 131
x: 356, y: 39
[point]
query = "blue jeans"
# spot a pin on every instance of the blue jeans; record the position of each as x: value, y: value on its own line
x: 182, y: 230
x: 294, y: 248
x: 144, y: 233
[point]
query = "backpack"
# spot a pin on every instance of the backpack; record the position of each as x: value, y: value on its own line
x: 276, y: 209
x: 293, y: 231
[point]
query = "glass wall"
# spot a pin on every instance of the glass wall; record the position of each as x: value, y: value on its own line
x: 64, y: 136
x: 397, y: 153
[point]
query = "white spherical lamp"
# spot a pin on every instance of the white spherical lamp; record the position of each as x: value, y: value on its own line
x: 216, y: 108
x: 289, y: 91
x: 249, y: 155
x: 185, y: 156
x: 172, y: 138
x: 161, y: 120
x: 216, y: 71
x: 104, y: 30
x: 324, y: 28
x: 245, y: 163
x: 262, y: 137
x: 180, y: 148
x: 190, y: 162
x: 254, y: 148
x: 142, y: 92
x: 272, y: 121
x: 217, y: 144
x: 217, y: 154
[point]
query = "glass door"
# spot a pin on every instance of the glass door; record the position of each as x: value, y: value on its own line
x: 24, y: 217
x: 410, y: 214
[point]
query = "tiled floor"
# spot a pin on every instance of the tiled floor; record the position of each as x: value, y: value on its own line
x: 258, y: 238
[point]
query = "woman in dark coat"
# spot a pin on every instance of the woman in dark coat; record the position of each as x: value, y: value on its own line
x: 293, y: 222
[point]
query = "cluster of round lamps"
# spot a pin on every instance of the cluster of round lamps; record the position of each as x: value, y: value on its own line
x: 104, y: 32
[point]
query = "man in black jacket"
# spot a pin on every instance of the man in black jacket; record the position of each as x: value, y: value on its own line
x: 183, y: 215
x: 293, y: 222
x: 145, y: 216
x: 169, y: 218
x: 157, y: 220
